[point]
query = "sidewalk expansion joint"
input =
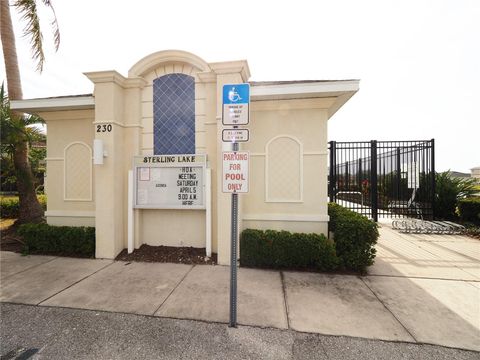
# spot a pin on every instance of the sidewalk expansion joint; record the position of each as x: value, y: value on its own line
x: 282, y: 279
x: 421, y: 277
x: 75, y: 283
x: 31, y: 267
x: 175, y: 287
x: 385, y: 306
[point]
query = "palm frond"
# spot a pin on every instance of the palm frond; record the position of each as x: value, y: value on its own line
x: 33, y: 134
x: 32, y: 120
x: 28, y: 12
x: 54, y: 24
x: 15, y: 129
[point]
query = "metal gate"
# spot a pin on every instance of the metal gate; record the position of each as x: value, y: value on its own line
x: 384, y: 178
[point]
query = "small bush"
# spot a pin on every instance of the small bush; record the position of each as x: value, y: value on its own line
x: 282, y: 249
x: 62, y: 240
x: 448, y: 191
x: 10, y: 206
x: 355, y: 237
x: 469, y: 209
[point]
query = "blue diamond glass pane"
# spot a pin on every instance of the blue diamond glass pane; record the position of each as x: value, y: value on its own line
x: 174, y: 114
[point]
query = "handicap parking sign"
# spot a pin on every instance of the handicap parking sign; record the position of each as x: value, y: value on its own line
x: 236, y: 101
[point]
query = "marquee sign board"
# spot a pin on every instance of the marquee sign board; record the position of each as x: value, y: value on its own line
x: 235, y: 171
x: 169, y: 182
x: 236, y: 101
x: 235, y: 135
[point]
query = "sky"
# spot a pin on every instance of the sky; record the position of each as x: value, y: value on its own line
x: 418, y: 61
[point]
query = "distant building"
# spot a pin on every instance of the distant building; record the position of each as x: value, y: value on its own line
x: 475, y: 172
x: 459, y: 174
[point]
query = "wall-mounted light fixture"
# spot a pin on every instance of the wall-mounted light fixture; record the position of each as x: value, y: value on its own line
x: 98, y: 152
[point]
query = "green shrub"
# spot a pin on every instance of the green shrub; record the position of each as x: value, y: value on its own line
x: 282, y: 249
x: 469, y: 209
x: 355, y: 237
x: 10, y: 207
x: 448, y: 191
x: 64, y: 240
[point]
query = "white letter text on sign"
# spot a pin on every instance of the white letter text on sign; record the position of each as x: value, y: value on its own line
x: 235, y: 171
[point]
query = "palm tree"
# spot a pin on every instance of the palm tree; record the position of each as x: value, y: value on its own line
x: 17, y: 124
x: 14, y: 129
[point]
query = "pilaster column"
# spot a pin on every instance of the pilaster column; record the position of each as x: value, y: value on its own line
x: 109, y: 178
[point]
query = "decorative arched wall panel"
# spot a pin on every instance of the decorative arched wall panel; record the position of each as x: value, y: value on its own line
x: 284, y: 169
x: 78, y: 172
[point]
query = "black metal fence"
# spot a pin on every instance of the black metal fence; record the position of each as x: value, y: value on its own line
x: 384, y: 178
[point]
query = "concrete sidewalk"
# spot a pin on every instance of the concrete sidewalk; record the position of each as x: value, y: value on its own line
x: 421, y: 289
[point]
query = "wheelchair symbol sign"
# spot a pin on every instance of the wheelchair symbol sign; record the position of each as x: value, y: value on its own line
x: 236, y: 94
x: 236, y: 99
x: 233, y: 95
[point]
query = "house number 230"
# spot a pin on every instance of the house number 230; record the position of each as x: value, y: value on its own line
x: 104, y: 128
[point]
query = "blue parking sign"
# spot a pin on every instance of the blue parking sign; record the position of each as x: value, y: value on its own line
x: 236, y: 94
x: 236, y: 100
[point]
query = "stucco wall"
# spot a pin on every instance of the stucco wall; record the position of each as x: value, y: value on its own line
x: 288, y: 167
x: 69, y: 179
x: 173, y: 227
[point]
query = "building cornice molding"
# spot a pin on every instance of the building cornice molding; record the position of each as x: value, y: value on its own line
x: 340, y: 91
x: 232, y: 67
x: 112, y: 76
x: 303, y: 89
x: 33, y: 106
x: 207, y: 77
x: 152, y: 61
x: 106, y: 76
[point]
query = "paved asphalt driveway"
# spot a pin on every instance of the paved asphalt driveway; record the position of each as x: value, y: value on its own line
x: 59, y: 333
x: 422, y: 289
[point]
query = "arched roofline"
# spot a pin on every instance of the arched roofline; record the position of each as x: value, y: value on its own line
x: 152, y: 61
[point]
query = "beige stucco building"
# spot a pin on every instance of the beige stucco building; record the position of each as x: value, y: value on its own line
x: 475, y: 172
x: 287, y: 148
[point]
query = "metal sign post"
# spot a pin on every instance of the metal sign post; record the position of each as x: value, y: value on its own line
x: 236, y: 101
x: 233, y: 257
x: 235, y: 181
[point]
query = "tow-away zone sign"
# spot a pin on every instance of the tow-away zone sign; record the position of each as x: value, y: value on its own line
x: 235, y: 171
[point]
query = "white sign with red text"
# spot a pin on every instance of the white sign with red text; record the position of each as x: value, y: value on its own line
x: 235, y: 171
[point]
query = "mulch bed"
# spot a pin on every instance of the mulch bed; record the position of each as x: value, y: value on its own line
x: 474, y: 232
x: 172, y: 254
x: 10, y: 241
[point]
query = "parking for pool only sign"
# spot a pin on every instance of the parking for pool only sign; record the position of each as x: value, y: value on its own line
x: 235, y: 171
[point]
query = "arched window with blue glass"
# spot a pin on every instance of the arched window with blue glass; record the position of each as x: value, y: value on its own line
x: 174, y: 114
